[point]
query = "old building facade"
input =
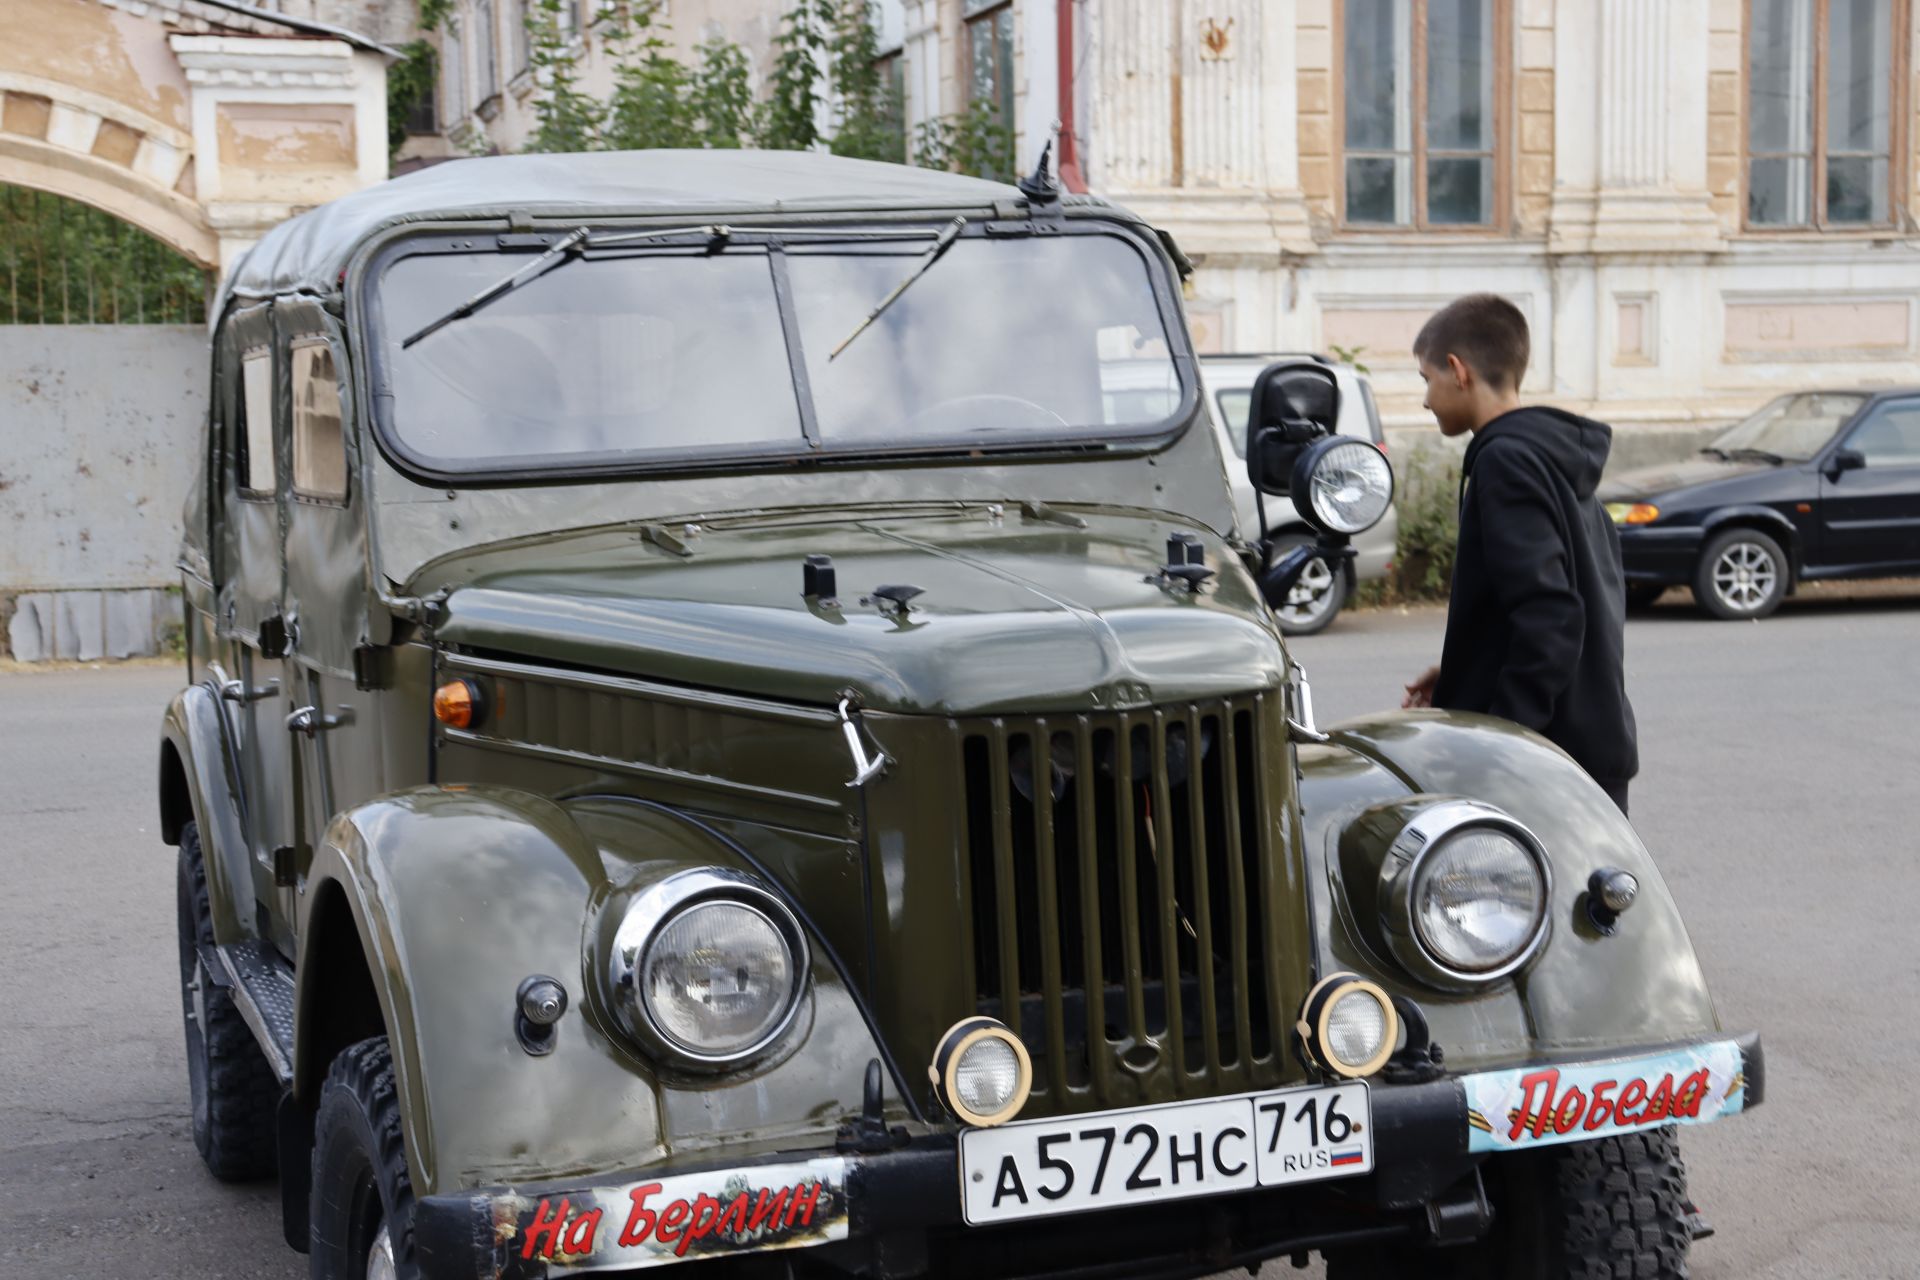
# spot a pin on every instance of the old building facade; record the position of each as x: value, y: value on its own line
x: 1694, y: 202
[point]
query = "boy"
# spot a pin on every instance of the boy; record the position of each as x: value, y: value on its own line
x: 1535, y: 622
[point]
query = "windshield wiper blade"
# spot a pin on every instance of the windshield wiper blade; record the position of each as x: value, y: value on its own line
x: 573, y: 243
x: 499, y: 288
x: 940, y: 245
x: 1715, y: 451
x: 1762, y: 455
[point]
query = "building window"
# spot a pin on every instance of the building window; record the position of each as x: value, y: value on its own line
x: 1820, y: 112
x: 519, y: 35
x: 989, y: 48
x: 892, y: 74
x: 453, y: 74
x: 484, y: 42
x: 1420, y: 130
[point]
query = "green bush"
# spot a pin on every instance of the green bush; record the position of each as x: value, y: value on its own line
x: 1429, y: 509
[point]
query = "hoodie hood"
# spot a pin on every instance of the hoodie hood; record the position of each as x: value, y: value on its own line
x: 1574, y: 446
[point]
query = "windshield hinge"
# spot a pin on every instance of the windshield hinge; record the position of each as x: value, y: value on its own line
x: 1034, y: 509
x: 519, y: 220
x: 665, y: 539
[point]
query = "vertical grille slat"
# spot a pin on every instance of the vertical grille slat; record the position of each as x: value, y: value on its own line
x: 1092, y: 923
x: 1040, y: 778
x: 1171, y: 921
x: 1236, y: 884
x: 1006, y: 908
x: 1119, y: 887
x: 1201, y: 912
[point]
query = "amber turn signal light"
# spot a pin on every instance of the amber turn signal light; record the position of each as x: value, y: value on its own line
x: 458, y: 704
x: 1633, y: 512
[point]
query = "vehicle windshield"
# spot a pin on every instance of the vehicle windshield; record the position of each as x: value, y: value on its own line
x: 664, y: 352
x: 1792, y: 428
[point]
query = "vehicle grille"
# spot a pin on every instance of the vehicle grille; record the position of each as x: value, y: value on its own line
x: 1120, y: 924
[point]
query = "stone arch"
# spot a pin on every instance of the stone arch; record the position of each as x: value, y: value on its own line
x: 201, y: 122
x: 58, y: 138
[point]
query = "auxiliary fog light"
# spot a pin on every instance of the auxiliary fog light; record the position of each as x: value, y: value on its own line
x: 1349, y: 1025
x: 981, y: 1072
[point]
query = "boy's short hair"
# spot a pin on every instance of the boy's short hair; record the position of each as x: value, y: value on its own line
x: 1487, y: 332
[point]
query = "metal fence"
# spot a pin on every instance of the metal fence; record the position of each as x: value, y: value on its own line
x: 63, y: 262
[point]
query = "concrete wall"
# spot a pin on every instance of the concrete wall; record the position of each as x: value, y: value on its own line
x: 99, y: 434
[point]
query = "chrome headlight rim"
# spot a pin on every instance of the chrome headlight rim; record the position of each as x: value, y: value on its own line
x: 1401, y: 875
x: 1321, y: 457
x: 659, y: 905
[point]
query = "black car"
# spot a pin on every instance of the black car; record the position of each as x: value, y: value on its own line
x: 1817, y: 484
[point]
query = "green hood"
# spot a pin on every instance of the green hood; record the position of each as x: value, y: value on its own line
x: 1014, y: 615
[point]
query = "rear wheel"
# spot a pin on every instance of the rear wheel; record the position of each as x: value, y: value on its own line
x: 1317, y: 595
x: 233, y: 1089
x: 1741, y: 574
x: 1608, y: 1210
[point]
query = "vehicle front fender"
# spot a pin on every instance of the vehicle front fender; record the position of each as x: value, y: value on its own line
x: 456, y: 896
x: 1586, y: 990
x: 199, y: 782
x: 1760, y: 517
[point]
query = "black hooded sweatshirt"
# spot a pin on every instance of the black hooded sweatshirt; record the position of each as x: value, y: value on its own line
x: 1536, y: 624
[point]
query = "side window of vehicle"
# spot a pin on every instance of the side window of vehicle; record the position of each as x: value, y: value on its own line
x: 1891, y: 437
x: 255, y: 437
x: 319, y: 447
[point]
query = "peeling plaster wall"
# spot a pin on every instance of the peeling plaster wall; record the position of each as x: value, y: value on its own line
x: 99, y: 435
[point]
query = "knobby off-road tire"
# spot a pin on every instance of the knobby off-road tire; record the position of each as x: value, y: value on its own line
x: 233, y: 1089
x: 1607, y: 1210
x: 360, y: 1180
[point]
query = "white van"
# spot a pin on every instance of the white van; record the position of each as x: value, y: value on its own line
x: 1323, y: 588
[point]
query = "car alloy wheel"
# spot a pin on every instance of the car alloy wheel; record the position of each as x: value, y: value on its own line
x: 1315, y: 598
x: 1744, y: 576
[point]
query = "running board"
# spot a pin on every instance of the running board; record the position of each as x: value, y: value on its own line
x: 261, y: 984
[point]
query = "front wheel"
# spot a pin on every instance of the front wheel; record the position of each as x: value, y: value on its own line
x: 1316, y: 597
x: 1741, y: 574
x: 1612, y: 1208
x: 361, y: 1213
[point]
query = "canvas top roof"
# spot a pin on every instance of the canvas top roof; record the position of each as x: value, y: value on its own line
x: 308, y: 253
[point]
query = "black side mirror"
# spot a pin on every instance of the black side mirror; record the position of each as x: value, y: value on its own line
x: 1294, y: 403
x: 1845, y: 460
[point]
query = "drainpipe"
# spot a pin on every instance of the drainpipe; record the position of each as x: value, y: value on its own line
x: 1070, y: 174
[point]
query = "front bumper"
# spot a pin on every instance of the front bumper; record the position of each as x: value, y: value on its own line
x: 1652, y: 554
x: 897, y: 1213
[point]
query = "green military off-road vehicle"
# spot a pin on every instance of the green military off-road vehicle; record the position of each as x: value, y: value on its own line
x: 728, y: 724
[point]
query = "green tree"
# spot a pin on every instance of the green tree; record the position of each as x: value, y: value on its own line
x: 567, y: 118
x: 722, y: 95
x: 789, y: 122
x: 869, y: 126
x: 410, y: 82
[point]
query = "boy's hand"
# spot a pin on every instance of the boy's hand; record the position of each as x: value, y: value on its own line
x: 1420, y: 692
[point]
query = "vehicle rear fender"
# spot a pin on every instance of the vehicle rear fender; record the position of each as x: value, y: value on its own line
x: 1765, y: 519
x: 454, y: 897
x: 200, y: 783
x: 1586, y: 990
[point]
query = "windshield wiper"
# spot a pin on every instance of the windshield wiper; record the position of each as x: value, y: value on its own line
x: 569, y: 246
x: 941, y: 243
x: 1760, y: 455
x: 1716, y: 452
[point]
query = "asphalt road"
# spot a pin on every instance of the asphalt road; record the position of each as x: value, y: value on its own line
x: 1778, y: 792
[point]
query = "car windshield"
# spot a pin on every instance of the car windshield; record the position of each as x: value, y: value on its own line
x: 1793, y: 427
x: 675, y: 351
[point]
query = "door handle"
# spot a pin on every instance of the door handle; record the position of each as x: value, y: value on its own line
x: 238, y: 691
x: 311, y: 720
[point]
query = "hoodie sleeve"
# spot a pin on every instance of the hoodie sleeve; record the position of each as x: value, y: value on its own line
x: 1524, y: 544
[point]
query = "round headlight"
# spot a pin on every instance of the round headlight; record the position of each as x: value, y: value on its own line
x: 1349, y: 1025
x: 708, y: 967
x: 1478, y: 900
x: 717, y: 978
x: 981, y: 1072
x: 1466, y: 894
x: 1342, y: 485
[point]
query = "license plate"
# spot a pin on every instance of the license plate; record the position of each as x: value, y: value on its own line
x: 1202, y: 1148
